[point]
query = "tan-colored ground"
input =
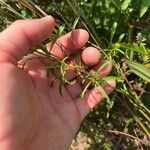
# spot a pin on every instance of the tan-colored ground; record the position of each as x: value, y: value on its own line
x: 81, y: 142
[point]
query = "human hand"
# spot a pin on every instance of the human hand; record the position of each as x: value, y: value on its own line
x: 33, y: 115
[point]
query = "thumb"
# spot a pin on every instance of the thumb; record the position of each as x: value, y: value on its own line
x: 22, y: 35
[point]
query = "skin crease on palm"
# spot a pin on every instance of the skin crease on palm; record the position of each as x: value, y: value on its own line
x: 33, y: 115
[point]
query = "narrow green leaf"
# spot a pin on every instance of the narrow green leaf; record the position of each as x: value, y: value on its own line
x: 125, y: 4
x: 140, y: 70
x: 144, y: 7
x: 75, y: 22
x: 108, y: 101
x: 102, y: 66
x: 112, y: 78
x: 85, y: 89
x: 113, y: 31
x: 61, y: 29
x: 137, y: 48
x: 121, y: 37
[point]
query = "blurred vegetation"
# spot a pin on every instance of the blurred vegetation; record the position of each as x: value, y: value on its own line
x: 121, y: 28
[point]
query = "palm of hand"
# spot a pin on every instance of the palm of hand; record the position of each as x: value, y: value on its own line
x: 37, y: 112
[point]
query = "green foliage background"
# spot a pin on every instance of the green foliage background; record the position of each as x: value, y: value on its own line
x: 122, y: 29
